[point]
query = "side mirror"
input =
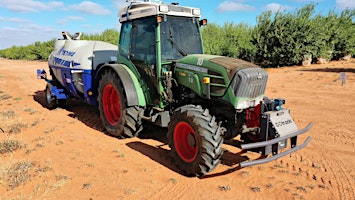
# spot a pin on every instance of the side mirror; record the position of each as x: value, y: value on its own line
x: 203, y: 22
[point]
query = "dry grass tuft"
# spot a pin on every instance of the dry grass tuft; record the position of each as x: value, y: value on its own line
x: 256, y: 189
x: 224, y: 187
x: 173, y: 181
x: 6, y: 114
x: 17, y: 127
x: 10, y: 123
x: 9, y: 145
x: 87, y: 186
x: 5, y: 97
x: 19, y: 173
x: 30, y: 110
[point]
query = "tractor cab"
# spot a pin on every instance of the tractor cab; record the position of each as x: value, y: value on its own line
x: 153, y: 35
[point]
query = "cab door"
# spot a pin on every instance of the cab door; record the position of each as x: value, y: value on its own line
x: 140, y: 49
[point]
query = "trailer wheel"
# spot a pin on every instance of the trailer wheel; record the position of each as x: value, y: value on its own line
x: 51, y: 102
x: 117, y: 119
x: 195, y: 140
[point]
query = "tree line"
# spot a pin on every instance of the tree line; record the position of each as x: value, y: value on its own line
x: 278, y: 39
x: 42, y: 50
x: 285, y: 38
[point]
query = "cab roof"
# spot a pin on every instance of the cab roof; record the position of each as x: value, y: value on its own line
x: 144, y: 9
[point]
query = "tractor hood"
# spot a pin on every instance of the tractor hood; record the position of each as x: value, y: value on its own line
x: 239, y: 82
x: 216, y: 63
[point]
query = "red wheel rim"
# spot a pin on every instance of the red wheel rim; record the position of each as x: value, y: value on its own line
x: 111, y: 105
x: 185, y: 142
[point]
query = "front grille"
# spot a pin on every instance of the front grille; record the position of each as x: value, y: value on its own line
x: 249, y: 83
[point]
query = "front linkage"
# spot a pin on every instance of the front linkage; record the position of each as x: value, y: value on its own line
x: 276, y: 129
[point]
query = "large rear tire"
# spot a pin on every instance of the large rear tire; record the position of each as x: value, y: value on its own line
x: 195, y: 140
x: 118, y: 120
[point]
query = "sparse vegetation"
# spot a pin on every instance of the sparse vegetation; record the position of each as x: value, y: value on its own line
x: 284, y: 171
x: 278, y: 166
x: 60, y: 177
x: 173, y: 181
x: 5, y: 97
x: 311, y: 187
x: 90, y: 165
x: 129, y: 191
x: 120, y: 155
x: 87, y: 186
x: 51, y: 130
x: 224, y: 187
x: 30, y: 110
x: 19, y: 173
x: 35, y: 123
x: 245, y: 173
x: 17, y: 127
x: 300, y: 188
x: 11, y: 125
x: 256, y: 189
x: 40, y: 145
x: 6, y: 114
x: 10, y: 145
x: 40, y: 170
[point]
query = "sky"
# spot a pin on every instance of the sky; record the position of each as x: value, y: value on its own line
x: 23, y: 22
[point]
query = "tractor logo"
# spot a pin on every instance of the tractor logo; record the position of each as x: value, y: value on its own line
x: 200, y: 61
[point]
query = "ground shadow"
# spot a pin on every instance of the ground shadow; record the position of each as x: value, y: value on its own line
x: 40, y: 97
x: 90, y: 116
x: 331, y: 70
x: 156, y: 153
x: 162, y: 156
x: 81, y: 111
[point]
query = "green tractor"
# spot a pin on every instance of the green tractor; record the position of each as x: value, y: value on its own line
x: 162, y: 76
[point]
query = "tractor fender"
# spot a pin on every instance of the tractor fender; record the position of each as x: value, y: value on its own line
x: 132, y: 88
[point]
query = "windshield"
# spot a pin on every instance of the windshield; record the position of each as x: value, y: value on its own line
x: 180, y: 36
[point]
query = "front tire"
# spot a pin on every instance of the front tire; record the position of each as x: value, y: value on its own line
x: 195, y: 140
x: 118, y: 120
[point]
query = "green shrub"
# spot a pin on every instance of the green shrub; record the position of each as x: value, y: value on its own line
x: 284, y: 38
x: 229, y: 40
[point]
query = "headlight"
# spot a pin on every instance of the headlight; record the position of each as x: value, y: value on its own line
x: 244, y: 104
x: 163, y: 8
x: 196, y: 12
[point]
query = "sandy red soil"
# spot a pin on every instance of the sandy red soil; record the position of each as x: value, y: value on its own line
x: 74, y: 159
